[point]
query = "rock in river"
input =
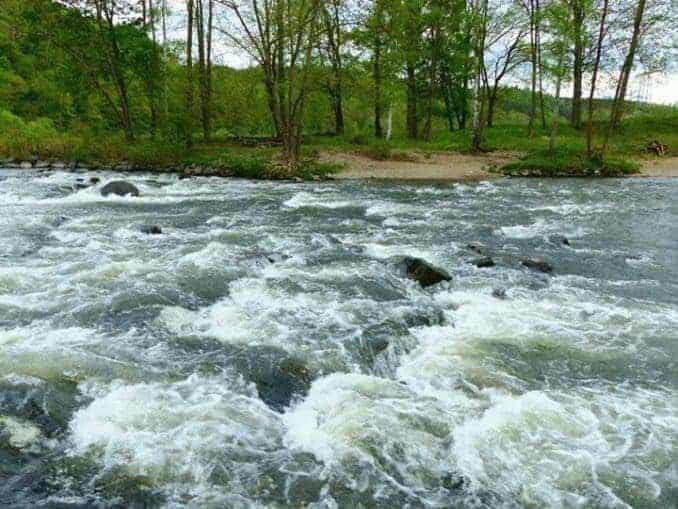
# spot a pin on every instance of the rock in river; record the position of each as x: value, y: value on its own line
x: 559, y: 239
x: 537, y: 263
x: 423, y: 272
x: 119, y: 188
x: 151, y: 229
x: 483, y: 262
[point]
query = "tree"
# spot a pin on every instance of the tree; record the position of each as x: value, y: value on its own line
x: 479, y: 16
x: 505, y: 36
x: 281, y: 36
x: 204, y: 33
x: 333, y: 47
x: 594, y: 78
x: 188, y: 98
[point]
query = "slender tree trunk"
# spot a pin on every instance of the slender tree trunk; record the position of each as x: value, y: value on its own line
x: 412, y: 129
x: 376, y: 75
x: 533, y: 60
x: 596, y: 66
x: 622, y: 83
x: 479, y: 56
x: 428, y: 127
x: 556, y: 110
x: 113, y: 57
x: 188, y: 123
x: 202, y: 68
x: 537, y: 37
x: 578, y: 67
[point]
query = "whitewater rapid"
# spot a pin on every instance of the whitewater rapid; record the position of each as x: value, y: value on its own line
x: 187, y: 369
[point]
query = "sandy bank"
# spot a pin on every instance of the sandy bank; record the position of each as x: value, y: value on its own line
x: 454, y: 166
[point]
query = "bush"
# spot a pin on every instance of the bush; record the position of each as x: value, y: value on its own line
x: 567, y: 164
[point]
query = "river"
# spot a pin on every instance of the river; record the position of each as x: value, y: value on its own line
x: 187, y: 369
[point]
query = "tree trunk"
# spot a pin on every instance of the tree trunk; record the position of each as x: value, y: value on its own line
x: 622, y: 84
x: 620, y: 94
x: 533, y: 60
x: 479, y: 55
x: 376, y: 75
x: 578, y: 67
x: 556, y: 110
x: 596, y: 66
x: 412, y: 129
x: 188, y: 124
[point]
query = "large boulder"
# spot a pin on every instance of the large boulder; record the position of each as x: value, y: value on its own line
x: 423, y: 272
x: 537, y: 263
x: 119, y: 188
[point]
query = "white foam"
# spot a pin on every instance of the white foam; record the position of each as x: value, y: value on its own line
x: 23, y: 435
x: 176, y: 433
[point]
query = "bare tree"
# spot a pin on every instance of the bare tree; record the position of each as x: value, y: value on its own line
x: 505, y: 35
x: 188, y: 99
x: 280, y: 35
x: 479, y: 19
x: 333, y: 28
x: 594, y: 78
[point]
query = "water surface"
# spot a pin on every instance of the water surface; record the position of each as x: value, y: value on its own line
x: 187, y: 370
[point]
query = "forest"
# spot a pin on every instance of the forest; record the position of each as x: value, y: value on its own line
x: 265, y: 86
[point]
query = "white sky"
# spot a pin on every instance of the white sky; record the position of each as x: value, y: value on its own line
x: 657, y: 88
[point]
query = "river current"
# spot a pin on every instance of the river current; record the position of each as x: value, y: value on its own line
x: 266, y: 351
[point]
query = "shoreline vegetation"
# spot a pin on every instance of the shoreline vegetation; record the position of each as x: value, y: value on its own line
x: 510, y: 153
x: 331, y: 90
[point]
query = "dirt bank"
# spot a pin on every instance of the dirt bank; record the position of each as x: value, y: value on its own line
x: 454, y: 166
x: 434, y: 166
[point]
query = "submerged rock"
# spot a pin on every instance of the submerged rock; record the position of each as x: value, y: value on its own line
x: 119, y: 188
x: 279, y: 384
x: 58, y: 221
x: 483, y: 262
x: 499, y: 292
x: 537, y: 263
x: 277, y: 257
x: 423, y: 272
x: 151, y: 229
x: 559, y: 239
x: 476, y: 247
x: 94, y: 180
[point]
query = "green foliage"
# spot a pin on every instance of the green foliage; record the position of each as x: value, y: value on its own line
x: 568, y: 164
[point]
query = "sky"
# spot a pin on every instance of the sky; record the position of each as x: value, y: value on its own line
x: 658, y: 88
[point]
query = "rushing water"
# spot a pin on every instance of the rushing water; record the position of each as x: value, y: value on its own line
x: 185, y: 369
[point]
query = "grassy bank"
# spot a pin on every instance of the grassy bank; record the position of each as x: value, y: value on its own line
x: 26, y: 140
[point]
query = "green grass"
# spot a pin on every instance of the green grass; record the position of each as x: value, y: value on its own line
x: 22, y: 139
x: 568, y: 164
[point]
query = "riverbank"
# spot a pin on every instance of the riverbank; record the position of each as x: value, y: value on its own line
x: 414, y: 166
x: 449, y: 166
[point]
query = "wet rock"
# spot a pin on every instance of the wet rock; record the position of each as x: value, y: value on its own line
x: 476, y: 247
x: 537, y: 263
x: 80, y: 185
x: 499, y: 292
x: 119, y: 188
x: 25, y: 165
x: 151, y: 229
x: 58, y: 221
x: 559, y: 239
x: 483, y: 262
x: 278, y: 385
x: 423, y: 272
x: 94, y: 180
x: 277, y: 258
